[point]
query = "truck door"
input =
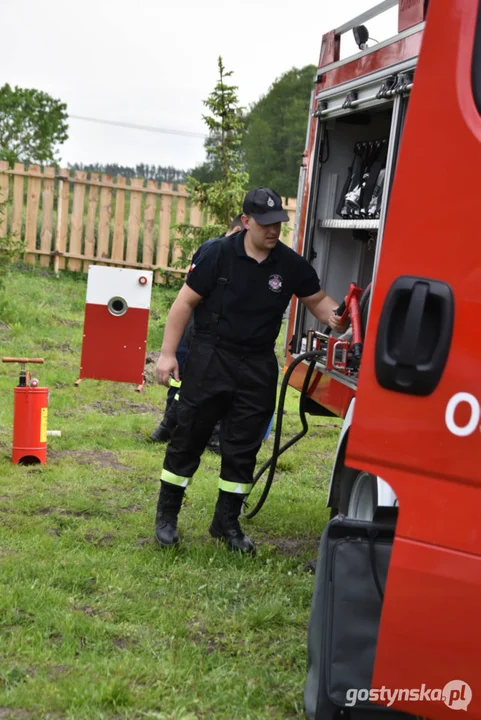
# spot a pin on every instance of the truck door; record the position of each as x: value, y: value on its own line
x: 418, y: 410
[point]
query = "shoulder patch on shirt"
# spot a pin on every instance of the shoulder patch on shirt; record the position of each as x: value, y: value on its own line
x: 275, y: 283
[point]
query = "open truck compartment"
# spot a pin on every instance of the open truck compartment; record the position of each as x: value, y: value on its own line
x: 343, y: 241
x: 355, y: 162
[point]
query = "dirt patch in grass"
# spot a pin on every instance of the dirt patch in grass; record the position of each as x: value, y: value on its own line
x: 60, y: 347
x: 199, y: 635
x: 145, y: 541
x: 149, y: 369
x: 103, y: 458
x: 104, y: 408
x: 65, y: 413
x: 56, y: 639
x: 292, y: 546
x: 61, y: 511
x: 128, y: 509
x: 122, y: 407
x: 212, y: 642
x: 56, y: 671
x: 325, y: 426
x: 7, y: 713
x: 5, y: 552
x: 69, y: 323
x: 93, y: 612
x: 124, y: 642
x: 141, y: 408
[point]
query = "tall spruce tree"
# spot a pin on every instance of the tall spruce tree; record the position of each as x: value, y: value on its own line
x: 220, y: 200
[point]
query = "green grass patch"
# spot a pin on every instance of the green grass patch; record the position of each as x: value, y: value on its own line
x: 95, y: 621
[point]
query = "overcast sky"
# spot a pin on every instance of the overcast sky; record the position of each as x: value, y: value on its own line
x: 153, y: 62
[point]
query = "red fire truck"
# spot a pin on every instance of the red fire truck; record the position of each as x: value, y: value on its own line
x: 389, y: 217
x: 356, y: 121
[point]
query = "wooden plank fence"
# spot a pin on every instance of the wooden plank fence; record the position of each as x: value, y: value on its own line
x: 71, y: 220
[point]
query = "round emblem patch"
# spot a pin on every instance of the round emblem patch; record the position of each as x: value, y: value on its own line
x: 275, y: 283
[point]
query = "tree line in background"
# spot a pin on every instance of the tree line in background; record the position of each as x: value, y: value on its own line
x: 269, y: 140
x: 148, y: 172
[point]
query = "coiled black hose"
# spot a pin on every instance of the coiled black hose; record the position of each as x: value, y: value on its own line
x: 312, y: 355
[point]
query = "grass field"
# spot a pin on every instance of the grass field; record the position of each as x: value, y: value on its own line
x: 95, y: 621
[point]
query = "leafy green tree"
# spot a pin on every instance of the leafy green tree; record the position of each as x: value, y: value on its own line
x: 32, y: 123
x: 220, y: 199
x: 276, y: 132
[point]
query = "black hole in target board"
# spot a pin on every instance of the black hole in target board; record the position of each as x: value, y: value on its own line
x: 117, y: 306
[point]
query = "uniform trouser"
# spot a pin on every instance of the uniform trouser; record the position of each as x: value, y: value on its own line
x: 233, y: 385
x: 180, y: 355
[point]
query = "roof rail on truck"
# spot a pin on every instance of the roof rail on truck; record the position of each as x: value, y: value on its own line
x: 411, y: 15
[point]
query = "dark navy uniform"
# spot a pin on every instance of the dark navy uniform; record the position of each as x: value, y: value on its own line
x: 231, y: 370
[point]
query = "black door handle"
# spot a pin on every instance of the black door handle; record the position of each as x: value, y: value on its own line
x: 414, y: 335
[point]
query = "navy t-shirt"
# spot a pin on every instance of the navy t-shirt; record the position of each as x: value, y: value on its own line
x: 256, y: 295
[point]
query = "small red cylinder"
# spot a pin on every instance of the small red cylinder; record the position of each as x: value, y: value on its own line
x: 30, y: 425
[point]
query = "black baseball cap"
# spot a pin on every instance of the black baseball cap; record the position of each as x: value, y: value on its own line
x: 265, y: 206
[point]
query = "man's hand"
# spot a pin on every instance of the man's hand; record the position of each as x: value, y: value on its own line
x: 324, y: 309
x: 167, y: 365
x: 334, y: 322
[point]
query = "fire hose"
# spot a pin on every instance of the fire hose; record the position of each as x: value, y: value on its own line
x: 313, y: 355
x: 348, y: 308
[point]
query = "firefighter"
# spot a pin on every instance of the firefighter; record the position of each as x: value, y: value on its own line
x: 238, y: 291
x: 164, y: 431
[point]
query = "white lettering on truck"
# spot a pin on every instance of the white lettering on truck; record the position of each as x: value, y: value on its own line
x: 473, y: 423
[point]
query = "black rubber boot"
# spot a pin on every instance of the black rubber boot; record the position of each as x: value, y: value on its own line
x: 168, y: 508
x: 164, y: 432
x: 225, y: 523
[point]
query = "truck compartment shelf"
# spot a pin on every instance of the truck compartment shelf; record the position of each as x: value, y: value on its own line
x: 360, y: 224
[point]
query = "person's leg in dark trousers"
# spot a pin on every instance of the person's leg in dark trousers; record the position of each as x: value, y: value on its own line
x: 164, y: 431
x: 241, y: 390
x: 202, y: 400
x: 242, y: 431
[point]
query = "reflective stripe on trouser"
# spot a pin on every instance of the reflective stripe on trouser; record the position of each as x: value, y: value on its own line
x: 240, y: 390
x: 175, y: 479
x: 239, y: 489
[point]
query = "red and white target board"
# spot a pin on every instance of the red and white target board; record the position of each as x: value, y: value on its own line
x: 116, y: 324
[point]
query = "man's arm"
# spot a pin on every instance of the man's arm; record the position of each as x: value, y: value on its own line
x: 177, y: 319
x: 323, y: 307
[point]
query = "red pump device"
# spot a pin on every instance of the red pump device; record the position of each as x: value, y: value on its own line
x: 30, y: 416
x: 350, y: 307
